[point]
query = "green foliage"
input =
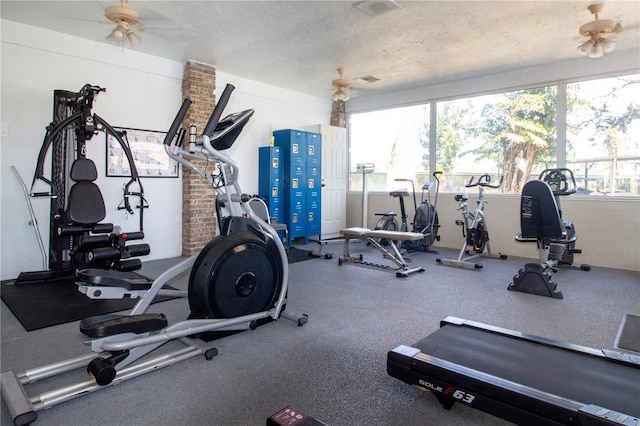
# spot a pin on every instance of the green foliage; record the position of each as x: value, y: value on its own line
x: 453, y: 128
x: 520, y: 131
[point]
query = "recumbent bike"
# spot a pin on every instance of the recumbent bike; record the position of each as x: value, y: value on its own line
x: 541, y: 222
x: 237, y: 282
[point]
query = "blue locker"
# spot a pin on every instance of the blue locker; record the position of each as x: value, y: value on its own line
x: 314, y: 197
x: 293, y: 144
x: 313, y: 221
x: 314, y: 149
x: 301, y: 158
x: 271, y: 183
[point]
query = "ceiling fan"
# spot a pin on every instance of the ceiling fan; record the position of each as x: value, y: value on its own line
x: 126, y: 20
x: 342, y: 87
x: 597, y: 31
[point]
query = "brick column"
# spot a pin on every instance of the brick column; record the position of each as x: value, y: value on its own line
x: 198, y: 198
x: 338, y: 114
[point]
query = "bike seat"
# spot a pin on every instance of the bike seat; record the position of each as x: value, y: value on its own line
x: 399, y: 193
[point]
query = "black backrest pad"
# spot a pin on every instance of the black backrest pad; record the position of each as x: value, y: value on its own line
x: 539, y: 215
x: 83, y: 169
x: 86, y: 205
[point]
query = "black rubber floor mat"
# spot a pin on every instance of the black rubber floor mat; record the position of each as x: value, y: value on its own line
x: 298, y: 255
x: 628, y: 337
x: 41, y: 305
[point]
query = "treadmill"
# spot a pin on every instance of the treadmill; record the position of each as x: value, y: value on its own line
x: 522, y: 378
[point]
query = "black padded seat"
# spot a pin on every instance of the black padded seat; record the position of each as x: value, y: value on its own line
x: 85, y: 202
x: 399, y: 193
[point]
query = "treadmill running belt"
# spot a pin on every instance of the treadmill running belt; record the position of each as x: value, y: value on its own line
x: 522, y: 378
x: 573, y: 375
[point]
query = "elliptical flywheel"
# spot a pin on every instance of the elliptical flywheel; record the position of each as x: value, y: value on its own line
x: 235, y: 275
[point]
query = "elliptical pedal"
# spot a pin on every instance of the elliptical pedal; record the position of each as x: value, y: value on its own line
x: 111, y: 324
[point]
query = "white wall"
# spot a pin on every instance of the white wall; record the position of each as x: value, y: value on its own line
x: 275, y: 109
x: 609, y: 228
x: 142, y: 92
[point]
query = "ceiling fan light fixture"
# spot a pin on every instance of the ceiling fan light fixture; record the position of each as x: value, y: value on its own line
x: 607, y: 44
x: 134, y: 40
x: 585, y: 47
x: 596, y: 51
x: 118, y: 35
x: 340, y: 95
x: 125, y: 19
x: 376, y: 7
x: 597, y: 31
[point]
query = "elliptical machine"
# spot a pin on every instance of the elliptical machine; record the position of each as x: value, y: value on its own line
x: 237, y: 282
x: 474, y: 227
x: 541, y: 222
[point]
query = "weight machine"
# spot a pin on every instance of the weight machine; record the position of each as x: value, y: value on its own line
x: 73, y: 240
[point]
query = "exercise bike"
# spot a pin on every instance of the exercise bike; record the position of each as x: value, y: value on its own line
x: 541, y: 222
x: 474, y: 227
x: 238, y: 281
x: 425, y: 220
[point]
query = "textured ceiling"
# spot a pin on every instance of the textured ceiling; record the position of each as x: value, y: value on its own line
x: 298, y: 45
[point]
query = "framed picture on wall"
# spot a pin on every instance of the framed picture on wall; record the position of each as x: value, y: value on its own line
x: 148, y: 154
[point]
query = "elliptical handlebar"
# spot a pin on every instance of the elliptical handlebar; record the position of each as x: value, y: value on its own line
x: 177, y: 121
x: 217, y: 111
x: 484, y: 181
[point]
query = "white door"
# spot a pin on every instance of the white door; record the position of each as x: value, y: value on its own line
x: 334, y: 179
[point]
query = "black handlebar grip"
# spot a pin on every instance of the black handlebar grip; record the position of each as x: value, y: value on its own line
x: 176, y: 121
x: 217, y: 111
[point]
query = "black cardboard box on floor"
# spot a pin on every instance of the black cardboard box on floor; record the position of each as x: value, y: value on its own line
x: 291, y: 416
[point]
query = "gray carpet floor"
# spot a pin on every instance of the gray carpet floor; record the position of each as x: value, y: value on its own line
x: 333, y: 368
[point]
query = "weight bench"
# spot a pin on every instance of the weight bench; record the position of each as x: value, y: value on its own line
x: 373, y: 238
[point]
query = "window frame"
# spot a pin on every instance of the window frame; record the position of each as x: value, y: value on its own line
x: 561, y: 119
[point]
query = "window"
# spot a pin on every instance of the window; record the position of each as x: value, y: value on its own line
x: 397, y: 142
x: 603, y: 135
x: 512, y: 134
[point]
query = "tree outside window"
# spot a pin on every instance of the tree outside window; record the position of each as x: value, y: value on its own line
x: 512, y: 134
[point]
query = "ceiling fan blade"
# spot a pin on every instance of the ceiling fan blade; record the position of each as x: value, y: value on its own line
x: 164, y: 24
x: 154, y: 38
x: 81, y: 18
